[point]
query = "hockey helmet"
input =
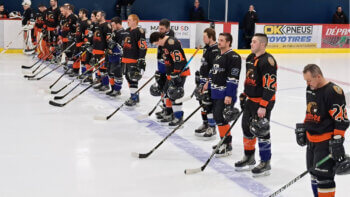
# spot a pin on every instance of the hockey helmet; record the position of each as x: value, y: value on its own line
x: 155, y: 90
x: 134, y: 73
x: 230, y: 113
x: 175, y: 92
x: 260, y: 127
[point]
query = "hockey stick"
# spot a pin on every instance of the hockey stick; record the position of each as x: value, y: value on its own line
x: 141, y: 117
x: 201, y: 169
x: 9, y: 44
x: 32, y: 76
x: 300, y: 176
x: 145, y: 155
x: 28, y: 67
x: 81, y: 81
x: 184, y: 99
x: 80, y: 54
x: 115, y: 111
x: 63, y: 104
x: 46, y: 73
x: 55, y: 92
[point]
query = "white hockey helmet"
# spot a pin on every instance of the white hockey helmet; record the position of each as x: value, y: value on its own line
x: 27, y: 2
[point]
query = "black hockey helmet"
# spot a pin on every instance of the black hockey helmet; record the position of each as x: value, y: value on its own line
x: 155, y: 90
x: 175, y: 92
x: 343, y: 167
x: 260, y: 127
x: 134, y: 73
x: 230, y: 113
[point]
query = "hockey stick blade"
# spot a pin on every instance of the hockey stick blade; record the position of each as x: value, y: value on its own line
x: 58, y: 97
x: 140, y: 155
x: 193, y: 171
x: 33, y: 79
x: 26, y: 67
x: 183, y: 99
x: 100, y: 117
x: 29, y: 76
x: 57, y: 104
x: 55, y: 92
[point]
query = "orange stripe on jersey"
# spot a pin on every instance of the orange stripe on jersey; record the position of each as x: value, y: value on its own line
x: 319, y: 138
x: 256, y: 61
x: 339, y: 132
x: 51, y: 29
x: 263, y: 103
x: 223, y: 129
x: 128, y: 60
x: 249, y: 144
x: 98, y: 52
x: 259, y: 99
x: 168, y: 103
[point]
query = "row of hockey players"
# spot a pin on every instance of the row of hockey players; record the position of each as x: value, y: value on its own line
x: 117, y: 52
x: 217, y: 80
x: 90, y: 45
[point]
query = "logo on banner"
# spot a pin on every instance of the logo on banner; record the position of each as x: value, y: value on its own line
x: 335, y: 36
x: 288, y: 29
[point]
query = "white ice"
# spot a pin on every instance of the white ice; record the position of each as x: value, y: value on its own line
x: 50, y: 151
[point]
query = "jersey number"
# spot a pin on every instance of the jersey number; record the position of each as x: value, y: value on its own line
x: 177, y: 56
x: 338, y: 113
x: 269, y: 82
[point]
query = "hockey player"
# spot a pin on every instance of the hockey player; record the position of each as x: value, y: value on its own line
x: 102, y: 33
x: 68, y: 28
x: 51, y: 23
x: 223, y: 83
x: 3, y: 13
x: 323, y: 130
x: 257, y: 101
x: 28, y: 25
x: 175, y: 62
x: 115, y: 44
x: 164, y: 27
x: 134, y: 52
x: 39, y: 29
x: 80, y: 33
x: 207, y: 129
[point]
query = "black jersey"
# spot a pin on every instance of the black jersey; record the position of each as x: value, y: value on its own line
x: 170, y: 33
x: 119, y: 36
x: 261, y: 78
x: 52, y: 18
x: 209, y: 54
x: 40, y: 19
x: 28, y: 16
x: 81, y: 32
x: 68, y: 27
x: 135, y: 46
x: 325, y: 113
x: 224, y: 75
x: 174, y: 57
x: 102, y: 32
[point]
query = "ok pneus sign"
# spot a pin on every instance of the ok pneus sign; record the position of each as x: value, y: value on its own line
x: 290, y: 36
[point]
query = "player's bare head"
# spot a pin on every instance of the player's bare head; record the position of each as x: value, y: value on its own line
x: 68, y: 7
x: 62, y: 9
x: 313, y: 76
x: 209, y: 35
x: 164, y: 25
x: 157, y: 38
x: 196, y: 3
x: 41, y: 7
x: 225, y: 40
x: 93, y: 16
x: 251, y: 8
x: 83, y: 13
x: 259, y: 43
x: 133, y: 20
x: 53, y: 3
x: 101, y: 16
x: 2, y: 8
x: 116, y: 23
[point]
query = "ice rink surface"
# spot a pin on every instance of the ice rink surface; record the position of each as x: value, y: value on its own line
x: 50, y: 151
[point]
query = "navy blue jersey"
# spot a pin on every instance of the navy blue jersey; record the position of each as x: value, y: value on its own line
x: 209, y: 55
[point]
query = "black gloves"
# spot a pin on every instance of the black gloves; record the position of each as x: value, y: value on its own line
x: 300, y: 133
x: 336, y: 148
x: 242, y: 100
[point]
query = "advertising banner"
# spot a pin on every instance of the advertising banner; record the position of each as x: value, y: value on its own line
x: 336, y: 36
x: 291, y: 35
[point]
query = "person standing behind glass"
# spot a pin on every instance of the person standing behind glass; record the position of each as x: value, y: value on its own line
x: 249, y: 21
x: 124, y: 7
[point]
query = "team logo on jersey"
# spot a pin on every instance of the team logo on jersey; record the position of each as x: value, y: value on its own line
x: 249, y: 80
x: 311, y: 113
x: 312, y: 107
x: 141, y: 30
x: 97, y: 36
x: 271, y: 61
x: 337, y: 89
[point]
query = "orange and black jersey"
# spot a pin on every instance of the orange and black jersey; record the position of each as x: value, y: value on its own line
x: 224, y: 75
x: 174, y: 57
x: 28, y: 16
x: 52, y: 18
x: 135, y: 46
x: 170, y: 33
x: 68, y: 26
x: 119, y: 36
x: 81, y: 31
x: 261, y: 78
x: 209, y: 54
x: 102, y: 33
x: 40, y: 19
x: 325, y: 113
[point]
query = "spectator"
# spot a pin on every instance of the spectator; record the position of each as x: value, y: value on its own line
x: 3, y: 12
x: 124, y: 7
x: 339, y: 17
x: 249, y: 21
x: 196, y: 12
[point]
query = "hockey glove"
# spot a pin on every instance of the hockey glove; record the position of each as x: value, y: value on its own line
x: 141, y: 64
x: 300, y: 134
x: 336, y: 148
x: 175, y: 79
